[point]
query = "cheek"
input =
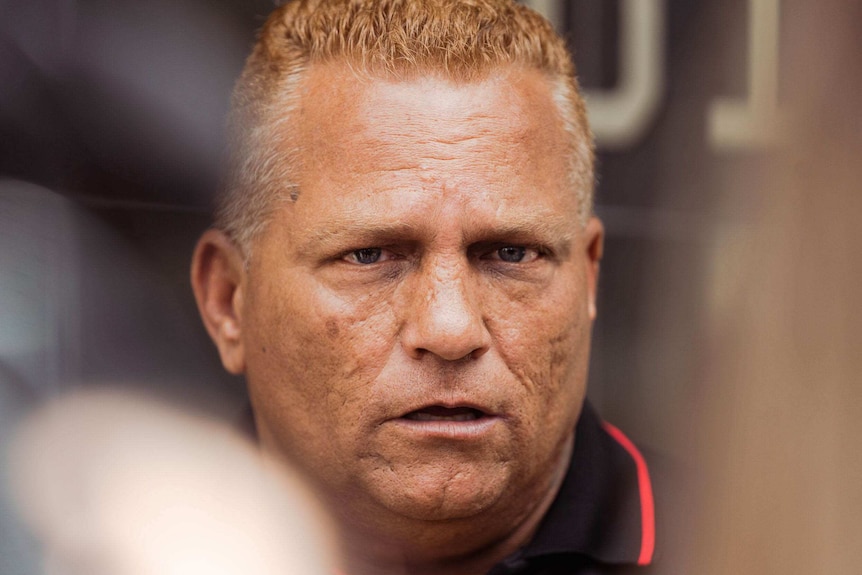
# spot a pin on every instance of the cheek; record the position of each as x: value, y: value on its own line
x: 543, y: 336
x: 315, y: 349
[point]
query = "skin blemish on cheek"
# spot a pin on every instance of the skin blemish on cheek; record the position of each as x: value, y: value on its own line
x: 332, y: 328
x: 294, y: 195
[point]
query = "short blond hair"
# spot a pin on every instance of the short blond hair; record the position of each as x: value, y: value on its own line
x: 462, y: 40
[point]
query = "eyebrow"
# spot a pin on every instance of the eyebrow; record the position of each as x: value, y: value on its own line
x: 548, y: 229
x: 357, y: 231
x: 556, y: 230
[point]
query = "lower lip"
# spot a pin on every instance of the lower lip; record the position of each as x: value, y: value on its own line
x: 453, y: 430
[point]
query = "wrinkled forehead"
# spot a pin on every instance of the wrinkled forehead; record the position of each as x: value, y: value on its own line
x: 405, y: 149
x: 524, y: 96
x: 344, y: 115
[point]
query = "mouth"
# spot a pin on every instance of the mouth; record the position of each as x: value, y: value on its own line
x: 446, y: 414
x: 444, y: 422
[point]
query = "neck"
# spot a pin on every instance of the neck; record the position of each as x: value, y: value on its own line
x: 464, y: 547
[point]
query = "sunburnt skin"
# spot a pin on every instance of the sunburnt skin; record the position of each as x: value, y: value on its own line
x: 440, y: 177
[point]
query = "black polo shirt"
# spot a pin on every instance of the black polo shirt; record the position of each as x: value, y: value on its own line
x: 603, y: 519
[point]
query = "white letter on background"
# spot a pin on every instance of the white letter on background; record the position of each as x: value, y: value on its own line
x: 755, y: 122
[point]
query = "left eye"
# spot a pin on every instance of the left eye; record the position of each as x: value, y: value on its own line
x: 514, y: 254
x: 365, y: 256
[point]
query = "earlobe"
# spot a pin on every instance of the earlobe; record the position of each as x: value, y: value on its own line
x: 218, y: 279
x: 594, y: 235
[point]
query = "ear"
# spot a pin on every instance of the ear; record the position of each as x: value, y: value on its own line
x: 594, y: 243
x: 218, y: 279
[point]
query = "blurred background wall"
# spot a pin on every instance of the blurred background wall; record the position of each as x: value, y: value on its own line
x: 111, y: 117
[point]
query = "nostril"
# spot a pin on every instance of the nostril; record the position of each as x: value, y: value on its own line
x: 476, y: 353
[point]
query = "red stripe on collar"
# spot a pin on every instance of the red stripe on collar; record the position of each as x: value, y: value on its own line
x: 646, y: 495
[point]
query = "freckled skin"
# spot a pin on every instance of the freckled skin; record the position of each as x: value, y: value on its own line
x: 439, y: 176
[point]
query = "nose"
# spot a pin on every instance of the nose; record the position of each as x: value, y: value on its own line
x: 443, y: 316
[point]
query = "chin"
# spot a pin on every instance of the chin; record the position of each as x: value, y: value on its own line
x: 442, y: 496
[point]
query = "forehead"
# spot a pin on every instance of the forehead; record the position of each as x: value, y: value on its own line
x: 397, y: 147
x: 513, y: 105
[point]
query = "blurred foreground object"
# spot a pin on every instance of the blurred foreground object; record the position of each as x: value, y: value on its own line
x: 782, y: 402
x: 120, y: 485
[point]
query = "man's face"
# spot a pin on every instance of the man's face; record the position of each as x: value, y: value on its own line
x: 415, y: 327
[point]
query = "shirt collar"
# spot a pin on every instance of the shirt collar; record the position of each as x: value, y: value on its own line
x: 604, y: 509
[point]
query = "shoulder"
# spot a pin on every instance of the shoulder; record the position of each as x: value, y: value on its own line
x: 612, y: 514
